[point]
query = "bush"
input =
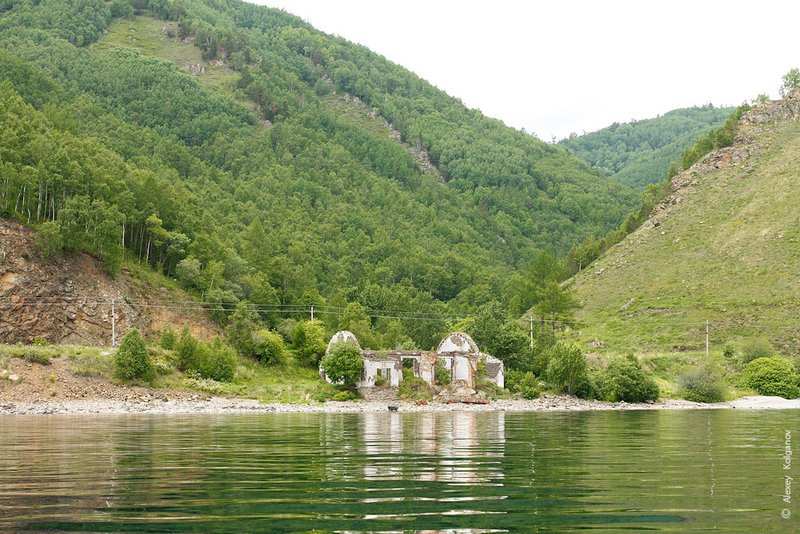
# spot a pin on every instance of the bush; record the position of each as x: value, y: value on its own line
x: 492, y: 390
x: 566, y: 368
x: 772, y: 376
x: 202, y: 354
x: 414, y: 388
x: 586, y: 388
x: 623, y: 379
x: 408, y: 373
x: 269, y: 348
x: 756, y: 347
x: 729, y: 351
x: 345, y: 395
x: 36, y: 355
x: 442, y: 375
x: 703, y: 383
x: 526, y: 384
x: 343, y: 363
x: 186, y: 349
x: 131, y: 361
x: 221, y: 363
x: 167, y: 338
x: 308, y: 339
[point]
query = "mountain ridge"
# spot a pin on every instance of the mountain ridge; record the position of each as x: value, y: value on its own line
x: 639, y: 153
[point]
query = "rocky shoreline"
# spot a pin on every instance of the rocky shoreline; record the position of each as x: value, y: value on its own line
x: 32, y: 389
x: 224, y: 405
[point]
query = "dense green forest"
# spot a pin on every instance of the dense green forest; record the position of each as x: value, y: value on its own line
x: 638, y: 153
x: 260, y: 188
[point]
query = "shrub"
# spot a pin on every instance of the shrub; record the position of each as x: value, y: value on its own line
x: 729, y: 351
x: 528, y: 387
x: 167, y: 341
x: 442, y: 375
x: 623, y: 379
x: 160, y: 364
x: 220, y: 364
x: 186, y: 349
x: 756, y: 347
x: 703, y: 383
x: 414, y: 388
x: 586, y: 388
x: 308, y: 338
x: 131, y: 361
x: 772, y: 376
x: 492, y: 390
x: 346, y: 395
x: 566, y: 368
x: 343, y: 363
x: 408, y: 373
x: 36, y: 355
x: 269, y: 348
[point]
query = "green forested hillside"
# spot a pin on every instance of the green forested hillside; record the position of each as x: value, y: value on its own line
x: 224, y: 145
x: 638, y: 153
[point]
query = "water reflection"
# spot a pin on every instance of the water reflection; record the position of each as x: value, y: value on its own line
x: 443, y: 447
x: 453, y: 472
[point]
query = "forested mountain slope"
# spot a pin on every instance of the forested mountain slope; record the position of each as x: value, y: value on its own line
x: 638, y: 153
x: 722, y: 248
x: 254, y: 158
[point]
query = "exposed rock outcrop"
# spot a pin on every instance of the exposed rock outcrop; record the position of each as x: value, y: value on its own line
x: 786, y: 108
x: 65, y: 302
x: 69, y: 301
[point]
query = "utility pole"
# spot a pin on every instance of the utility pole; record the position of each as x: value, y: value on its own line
x: 312, y: 312
x: 113, y: 325
x: 531, y: 320
x: 706, y: 339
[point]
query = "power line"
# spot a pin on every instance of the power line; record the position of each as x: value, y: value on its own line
x: 191, y: 305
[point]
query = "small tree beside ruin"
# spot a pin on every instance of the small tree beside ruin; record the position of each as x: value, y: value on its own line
x: 343, y: 364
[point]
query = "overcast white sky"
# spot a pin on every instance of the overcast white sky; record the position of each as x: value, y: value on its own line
x: 572, y: 66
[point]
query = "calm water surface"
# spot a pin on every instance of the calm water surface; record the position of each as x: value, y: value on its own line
x: 458, y: 472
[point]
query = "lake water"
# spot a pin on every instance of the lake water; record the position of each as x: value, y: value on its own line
x: 457, y: 472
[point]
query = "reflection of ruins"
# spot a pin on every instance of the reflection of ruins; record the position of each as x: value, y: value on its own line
x: 457, y: 354
x: 454, y: 447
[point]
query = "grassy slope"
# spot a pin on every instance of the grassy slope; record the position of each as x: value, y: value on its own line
x: 727, y: 254
x: 149, y: 36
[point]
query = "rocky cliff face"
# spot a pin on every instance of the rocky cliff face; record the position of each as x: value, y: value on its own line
x: 65, y: 302
x: 786, y: 108
x: 69, y: 301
